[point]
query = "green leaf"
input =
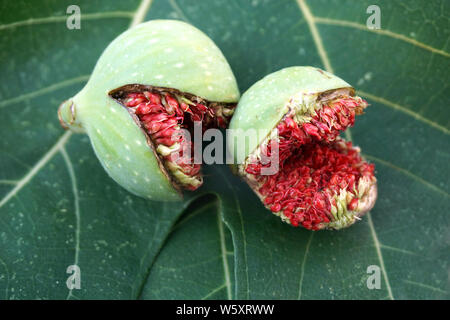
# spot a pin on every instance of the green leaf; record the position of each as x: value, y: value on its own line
x: 59, y: 208
x: 206, y: 271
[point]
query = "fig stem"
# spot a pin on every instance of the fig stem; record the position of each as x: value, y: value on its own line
x: 67, y: 116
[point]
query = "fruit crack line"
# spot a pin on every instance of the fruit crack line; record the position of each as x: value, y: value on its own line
x: 168, y: 119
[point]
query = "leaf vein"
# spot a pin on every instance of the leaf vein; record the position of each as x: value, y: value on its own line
x: 13, y: 182
x: 77, y: 208
x: 223, y: 249
x: 398, y: 250
x: 45, y: 90
x: 37, y: 167
x: 315, y: 34
x: 214, y: 291
x: 302, y: 272
x: 178, y: 10
x: 85, y: 16
x: 139, y: 15
x: 407, y: 173
x: 384, y: 32
x: 404, y: 110
x: 244, y: 242
x: 425, y: 286
x: 380, y: 256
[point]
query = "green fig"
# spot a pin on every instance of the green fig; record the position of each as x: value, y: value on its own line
x: 320, y: 181
x: 150, y: 83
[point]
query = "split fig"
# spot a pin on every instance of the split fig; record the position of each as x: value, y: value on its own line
x: 321, y: 181
x: 151, y: 82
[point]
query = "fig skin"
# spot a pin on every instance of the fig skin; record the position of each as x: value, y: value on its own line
x: 160, y: 53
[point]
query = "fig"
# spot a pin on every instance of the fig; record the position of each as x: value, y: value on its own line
x: 321, y: 181
x: 151, y: 83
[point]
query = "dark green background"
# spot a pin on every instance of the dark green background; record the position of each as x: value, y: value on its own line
x: 58, y: 207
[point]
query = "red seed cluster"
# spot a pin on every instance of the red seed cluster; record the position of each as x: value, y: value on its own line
x: 163, y: 116
x: 313, y: 167
x: 305, y: 187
